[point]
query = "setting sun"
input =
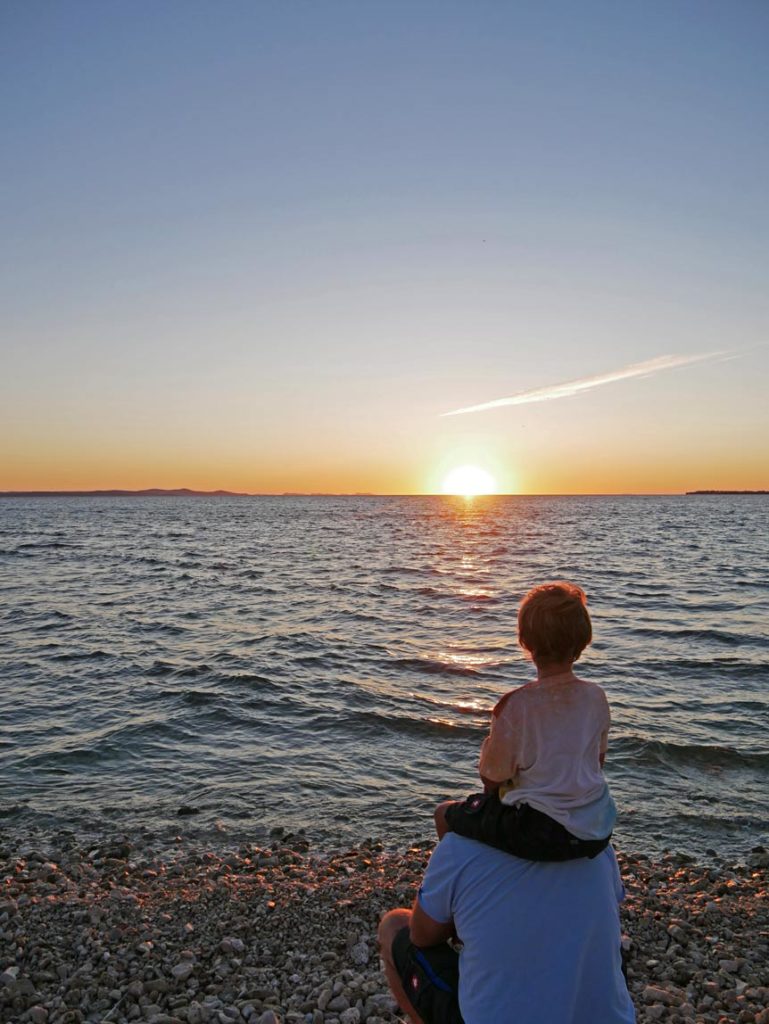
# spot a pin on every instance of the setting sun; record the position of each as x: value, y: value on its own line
x: 469, y: 481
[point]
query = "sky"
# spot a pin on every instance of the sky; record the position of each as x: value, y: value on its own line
x: 268, y: 246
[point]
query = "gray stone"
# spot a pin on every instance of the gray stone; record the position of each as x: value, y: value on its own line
x: 360, y: 954
x: 230, y: 944
x: 196, y: 1014
x: 269, y: 1017
x: 183, y: 970
x: 9, y: 975
x: 338, y: 1003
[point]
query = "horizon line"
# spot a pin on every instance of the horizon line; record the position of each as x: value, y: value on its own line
x: 186, y: 492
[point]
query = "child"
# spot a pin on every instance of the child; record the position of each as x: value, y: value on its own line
x: 545, y: 794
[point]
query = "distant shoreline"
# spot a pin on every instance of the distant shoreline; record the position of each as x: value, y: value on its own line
x: 187, y: 492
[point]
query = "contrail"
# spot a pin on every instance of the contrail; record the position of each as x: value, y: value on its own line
x: 573, y: 387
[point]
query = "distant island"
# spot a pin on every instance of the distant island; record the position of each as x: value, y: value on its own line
x: 180, y: 492
x: 727, y: 492
x: 150, y: 492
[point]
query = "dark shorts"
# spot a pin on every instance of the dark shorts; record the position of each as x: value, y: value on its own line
x: 520, y: 830
x: 430, y: 979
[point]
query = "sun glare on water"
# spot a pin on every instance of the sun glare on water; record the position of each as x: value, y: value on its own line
x: 469, y: 481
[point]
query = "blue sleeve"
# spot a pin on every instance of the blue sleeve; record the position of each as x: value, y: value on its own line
x: 436, y: 894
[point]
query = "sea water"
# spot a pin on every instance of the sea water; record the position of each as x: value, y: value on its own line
x: 329, y: 663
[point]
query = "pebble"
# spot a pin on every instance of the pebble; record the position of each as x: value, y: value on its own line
x: 360, y: 954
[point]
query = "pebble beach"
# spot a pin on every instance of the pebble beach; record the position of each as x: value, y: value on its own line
x: 123, y: 930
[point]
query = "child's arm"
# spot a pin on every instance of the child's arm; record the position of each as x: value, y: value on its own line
x: 489, y: 786
x: 498, y: 761
x: 604, y: 742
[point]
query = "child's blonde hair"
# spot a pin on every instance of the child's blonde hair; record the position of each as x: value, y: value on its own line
x: 553, y: 622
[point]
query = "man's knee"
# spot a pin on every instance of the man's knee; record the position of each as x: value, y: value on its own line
x: 389, y: 926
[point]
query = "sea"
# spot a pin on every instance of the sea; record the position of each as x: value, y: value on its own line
x: 222, y: 667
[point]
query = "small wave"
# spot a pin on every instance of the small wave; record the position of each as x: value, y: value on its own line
x: 118, y: 742
x: 195, y: 698
x: 433, y: 667
x: 168, y: 628
x: 462, y: 707
x: 44, y: 544
x: 162, y: 668
x: 416, y: 726
x: 702, y: 635
x: 696, y: 668
x: 193, y: 671
x: 12, y: 811
x: 199, y: 698
x: 657, y: 752
x: 97, y: 655
x: 717, y: 823
x: 251, y: 679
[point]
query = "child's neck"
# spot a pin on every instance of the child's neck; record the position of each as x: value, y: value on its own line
x: 548, y: 670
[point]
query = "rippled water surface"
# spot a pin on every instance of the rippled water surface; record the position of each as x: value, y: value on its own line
x: 329, y: 663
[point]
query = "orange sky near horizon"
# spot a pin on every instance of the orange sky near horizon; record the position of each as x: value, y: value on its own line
x: 61, y: 466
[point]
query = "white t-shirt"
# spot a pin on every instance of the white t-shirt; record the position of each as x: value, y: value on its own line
x: 544, y: 746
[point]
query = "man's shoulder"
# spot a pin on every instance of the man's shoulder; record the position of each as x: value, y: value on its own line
x: 457, y: 855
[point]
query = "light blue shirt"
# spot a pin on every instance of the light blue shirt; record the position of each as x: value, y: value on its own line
x: 541, y: 940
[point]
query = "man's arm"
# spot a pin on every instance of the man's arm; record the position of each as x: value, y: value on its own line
x: 426, y: 932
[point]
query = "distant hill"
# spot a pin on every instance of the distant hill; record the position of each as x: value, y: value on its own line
x: 150, y: 492
x: 727, y: 492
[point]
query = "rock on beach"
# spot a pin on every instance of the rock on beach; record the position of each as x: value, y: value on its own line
x: 122, y: 932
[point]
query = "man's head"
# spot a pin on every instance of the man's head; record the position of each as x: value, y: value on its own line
x: 553, y: 623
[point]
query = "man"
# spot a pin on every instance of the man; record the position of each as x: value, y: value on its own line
x: 540, y: 941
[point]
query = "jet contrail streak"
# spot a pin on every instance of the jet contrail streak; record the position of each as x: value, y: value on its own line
x: 573, y: 387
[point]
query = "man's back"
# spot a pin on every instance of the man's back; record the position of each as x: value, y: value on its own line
x: 541, y: 940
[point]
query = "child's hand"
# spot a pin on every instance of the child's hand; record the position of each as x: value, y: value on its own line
x: 489, y: 786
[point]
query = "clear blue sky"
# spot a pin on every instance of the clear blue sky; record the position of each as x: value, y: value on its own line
x: 264, y: 245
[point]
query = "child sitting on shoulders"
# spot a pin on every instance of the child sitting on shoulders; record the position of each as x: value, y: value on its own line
x: 545, y: 796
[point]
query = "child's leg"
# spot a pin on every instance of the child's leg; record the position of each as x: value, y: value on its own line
x: 521, y: 830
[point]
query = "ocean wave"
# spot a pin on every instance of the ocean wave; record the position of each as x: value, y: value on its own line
x: 433, y: 667
x: 702, y: 635
x: 660, y: 752
x: 697, y: 668
x: 468, y: 706
x: 55, y: 544
x: 113, y: 742
x: 374, y: 721
x: 97, y: 655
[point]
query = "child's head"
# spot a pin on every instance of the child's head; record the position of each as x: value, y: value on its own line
x: 553, y: 623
